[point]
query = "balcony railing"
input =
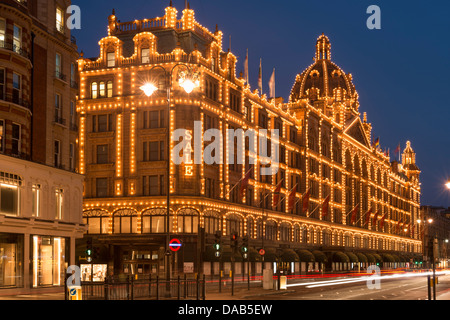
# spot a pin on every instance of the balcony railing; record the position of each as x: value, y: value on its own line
x: 13, y: 98
x: 60, y: 120
x: 59, y: 75
x: 9, y: 45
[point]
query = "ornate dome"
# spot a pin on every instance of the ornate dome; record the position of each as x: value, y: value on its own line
x: 324, y: 80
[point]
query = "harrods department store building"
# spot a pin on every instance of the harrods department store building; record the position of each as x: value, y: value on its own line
x: 325, y: 147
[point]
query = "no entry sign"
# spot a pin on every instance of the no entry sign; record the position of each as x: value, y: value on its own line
x: 175, y: 245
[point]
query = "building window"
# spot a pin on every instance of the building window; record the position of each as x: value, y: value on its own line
x: 154, y: 119
x: 94, y: 90
x: 17, y: 88
x: 102, y: 154
x: 17, y: 39
x: 145, y: 55
x: 102, y: 89
x: 2, y: 32
x: 16, y: 139
x: 11, y: 260
x: 59, y: 197
x: 72, y: 157
x: 36, y: 205
x: 102, y: 187
x: 57, y: 154
x: 98, y: 222
x: 9, y: 199
x: 58, y: 109
x: 187, y: 221
x: 60, y: 20
x: 154, y: 221
x: 49, y: 261
x: 102, y: 123
x: 111, y: 59
x: 125, y: 221
x: 73, y: 71
x: 2, y: 83
x: 2, y: 136
x: 58, y: 66
x: 109, y: 89
x: 153, y: 186
x: 153, y: 151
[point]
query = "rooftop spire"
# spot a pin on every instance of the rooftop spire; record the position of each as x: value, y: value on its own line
x: 323, y: 48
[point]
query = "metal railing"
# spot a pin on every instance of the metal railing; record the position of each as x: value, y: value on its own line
x: 144, y: 288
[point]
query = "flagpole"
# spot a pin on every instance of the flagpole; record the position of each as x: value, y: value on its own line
x: 239, y: 181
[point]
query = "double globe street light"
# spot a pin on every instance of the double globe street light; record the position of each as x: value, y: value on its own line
x: 188, y: 79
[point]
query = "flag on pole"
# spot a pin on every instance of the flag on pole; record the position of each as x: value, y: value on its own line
x: 382, y: 221
x: 397, y: 152
x: 375, y: 217
x: 260, y: 85
x: 272, y: 85
x: 244, y: 184
x: 367, y: 217
x: 376, y: 143
x: 354, y: 213
x: 276, y: 193
x: 246, y: 68
x: 325, y: 206
x: 305, y: 200
x: 292, y: 197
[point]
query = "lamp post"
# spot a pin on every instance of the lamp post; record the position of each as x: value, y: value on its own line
x: 188, y: 80
x: 426, y: 222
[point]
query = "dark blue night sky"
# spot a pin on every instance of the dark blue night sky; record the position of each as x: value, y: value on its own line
x: 401, y: 72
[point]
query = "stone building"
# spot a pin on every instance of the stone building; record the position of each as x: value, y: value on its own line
x: 40, y: 193
x: 326, y: 160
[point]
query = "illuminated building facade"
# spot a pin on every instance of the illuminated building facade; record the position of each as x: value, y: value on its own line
x: 325, y: 147
x: 40, y: 193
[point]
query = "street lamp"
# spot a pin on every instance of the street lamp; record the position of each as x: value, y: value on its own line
x: 189, y: 80
x: 448, y: 185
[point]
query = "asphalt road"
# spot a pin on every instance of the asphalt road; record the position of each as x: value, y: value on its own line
x: 414, y: 288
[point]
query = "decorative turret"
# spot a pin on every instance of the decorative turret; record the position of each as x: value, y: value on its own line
x: 323, y: 48
x: 409, y: 162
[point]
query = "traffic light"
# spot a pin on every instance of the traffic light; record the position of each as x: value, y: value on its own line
x: 234, y: 238
x: 244, y: 248
x: 89, y: 250
x: 218, y: 244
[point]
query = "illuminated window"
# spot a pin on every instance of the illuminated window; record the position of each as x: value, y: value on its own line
x: 109, y: 89
x: 36, y: 205
x: 102, y: 89
x: 72, y: 157
x: 9, y: 199
x: 49, y: 260
x: 60, y: 20
x: 111, y: 59
x: 59, y: 204
x: 94, y: 90
x: 125, y: 221
x: 145, y: 55
x: 188, y: 221
x: 2, y: 33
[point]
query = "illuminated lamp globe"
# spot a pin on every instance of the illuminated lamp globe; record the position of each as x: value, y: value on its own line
x: 188, y: 85
x: 148, y: 89
x: 448, y: 185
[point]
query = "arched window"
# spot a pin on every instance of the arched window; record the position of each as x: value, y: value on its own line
x: 187, y: 220
x: 154, y: 220
x: 97, y: 221
x: 212, y: 222
x: 326, y: 237
x: 259, y: 229
x: 125, y: 221
x: 235, y: 224
x: 94, y: 90
x: 271, y: 230
x: 102, y: 89
x: 250, y: 227
x: 285, y: 232
x: 297, y: 234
